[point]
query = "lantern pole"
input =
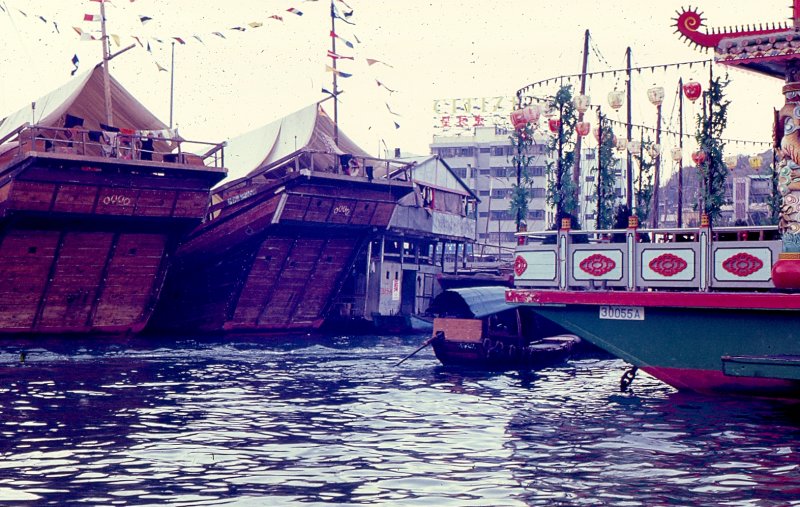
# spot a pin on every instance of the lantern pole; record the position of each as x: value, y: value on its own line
x: 599, y: 168
x: 656, y: 179
x: 629, y: 173
x: 576, y: 176
x: 560, y: 204
x: 680, y: 145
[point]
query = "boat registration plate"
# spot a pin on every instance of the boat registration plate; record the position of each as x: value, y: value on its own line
x: 622, y: 312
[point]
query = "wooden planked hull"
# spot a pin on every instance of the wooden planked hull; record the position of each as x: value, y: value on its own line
x: 274, y: 255
x: 85, y: 244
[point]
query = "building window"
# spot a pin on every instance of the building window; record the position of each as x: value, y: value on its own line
x: 536, y: 214
x: 537, y: 193
x: 483, y: 214
x: 486, y: 150
x: 466, y: 152
x: 486, y: 172
x: 503, y: 214
x: 483, y: 193
x: 501, y: 193
x: 537, y: 170
x: 461, y: 172
x: 497, y: 151
x: 473, y: 172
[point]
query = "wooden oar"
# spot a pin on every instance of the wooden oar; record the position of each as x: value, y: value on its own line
x: 425, y: 344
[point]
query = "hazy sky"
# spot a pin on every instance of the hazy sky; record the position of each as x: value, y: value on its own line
x: 436, y: 49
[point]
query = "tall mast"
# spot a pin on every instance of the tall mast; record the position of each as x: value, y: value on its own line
x: 335, y: 81
x: 629, y: 172
x: 106, y: 76
x: 172, y: 85
x: 576, y: 175
x: 680, y: 145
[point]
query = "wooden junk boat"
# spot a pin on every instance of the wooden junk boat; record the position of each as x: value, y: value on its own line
x: 280, y: 240
x: 90, y: 212
x: 475, y: 327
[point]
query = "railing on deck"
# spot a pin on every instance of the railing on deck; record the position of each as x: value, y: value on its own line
x: 642, y: 259
x: 115, y: 145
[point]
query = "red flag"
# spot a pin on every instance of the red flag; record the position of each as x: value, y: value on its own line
x: 91, y: 17
x: 180, y: 41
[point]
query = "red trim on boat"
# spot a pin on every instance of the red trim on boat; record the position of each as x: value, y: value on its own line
x: 720, y: 300
x: 712, y: 381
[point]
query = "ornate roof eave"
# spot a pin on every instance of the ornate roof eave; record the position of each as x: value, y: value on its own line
x: 765, y: 50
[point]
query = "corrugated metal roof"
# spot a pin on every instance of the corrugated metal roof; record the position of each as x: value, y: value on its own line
x: 484, y: 301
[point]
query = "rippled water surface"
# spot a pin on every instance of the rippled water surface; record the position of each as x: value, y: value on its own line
x: 333, y: 421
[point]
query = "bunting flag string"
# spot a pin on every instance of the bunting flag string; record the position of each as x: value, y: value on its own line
x: 85, y: 35
x: 335, y: 14
x: 372, y: 61
x: 337, y: 56
x: 384, y: 86
x: 346, y: 42
x: 338, y: 72
x: 390, y: 110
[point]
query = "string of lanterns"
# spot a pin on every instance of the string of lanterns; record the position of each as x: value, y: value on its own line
x: 692, y: 90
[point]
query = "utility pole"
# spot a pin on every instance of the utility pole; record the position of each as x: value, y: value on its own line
x: 629, y: 173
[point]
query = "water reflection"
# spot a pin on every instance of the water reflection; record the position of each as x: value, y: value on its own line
x: 332, y: 421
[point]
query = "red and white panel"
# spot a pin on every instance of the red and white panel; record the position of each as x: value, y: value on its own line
x: 672, y: 265
x: 734, y: 266
x: 593, y: 263
x: 537, y: 268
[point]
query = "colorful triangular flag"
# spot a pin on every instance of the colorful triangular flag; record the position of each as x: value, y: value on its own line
x: 372, y: 61
x: 75, y: 62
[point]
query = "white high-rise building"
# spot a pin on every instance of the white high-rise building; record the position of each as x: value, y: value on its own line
x: 484, y: 161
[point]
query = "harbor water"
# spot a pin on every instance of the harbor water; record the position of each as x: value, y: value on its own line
x: 333, y: 421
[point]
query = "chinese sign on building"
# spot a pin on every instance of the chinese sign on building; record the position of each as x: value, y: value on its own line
x: 453, y: 117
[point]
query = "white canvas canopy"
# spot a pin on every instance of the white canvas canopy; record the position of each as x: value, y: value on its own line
x: 308, y: 129
x: 83, y: 97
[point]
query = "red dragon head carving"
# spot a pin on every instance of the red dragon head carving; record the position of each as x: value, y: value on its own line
x: 690, y: 20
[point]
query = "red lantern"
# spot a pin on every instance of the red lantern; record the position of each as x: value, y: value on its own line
x: 699, y: 157
x: 692, y: 90
x: 554, y: 125
x: 522, y: 117
x: 582, y: 128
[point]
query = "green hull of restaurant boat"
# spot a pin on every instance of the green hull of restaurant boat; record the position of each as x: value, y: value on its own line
x: 708, y: 348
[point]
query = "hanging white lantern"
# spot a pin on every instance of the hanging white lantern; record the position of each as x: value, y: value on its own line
x: 731, y: 161
x: 622, y: 144
x: 677, y: 153
x: 656, y: 95
x: 634, y: 147
x: 581, y: 103
x: 615, y: 99
x: 755, y: 162
x: 654, y: 150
